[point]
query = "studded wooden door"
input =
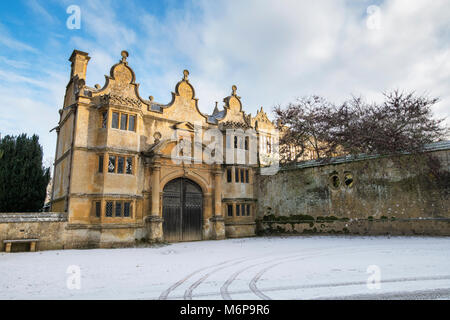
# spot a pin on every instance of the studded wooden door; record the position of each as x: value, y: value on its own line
x: 182, y: 211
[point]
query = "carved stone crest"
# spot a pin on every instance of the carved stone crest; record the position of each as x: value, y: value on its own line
x: 234, y: 125
x: 120, y: 101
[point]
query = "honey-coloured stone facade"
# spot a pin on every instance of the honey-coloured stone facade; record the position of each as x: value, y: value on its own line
x: 115, y: 154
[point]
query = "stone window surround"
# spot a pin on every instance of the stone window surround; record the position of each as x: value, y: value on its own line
x: 103, y: 209
x: 247, y: 178
x: 117, y: 155
x: 246, y: 203
x: 240, y: 142
x: 109, y: 116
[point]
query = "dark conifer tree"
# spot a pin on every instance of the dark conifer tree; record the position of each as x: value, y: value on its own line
x: 23, y: 178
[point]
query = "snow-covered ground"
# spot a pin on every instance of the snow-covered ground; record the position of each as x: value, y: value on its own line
x: 252, y: 268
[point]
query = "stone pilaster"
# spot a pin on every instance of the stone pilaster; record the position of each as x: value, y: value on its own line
x: 154, y: 228
x: 154, y: 221
x: 155, y: 180
x: 218, y: 222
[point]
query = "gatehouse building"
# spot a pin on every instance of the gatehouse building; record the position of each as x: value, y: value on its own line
x: 121, y: 170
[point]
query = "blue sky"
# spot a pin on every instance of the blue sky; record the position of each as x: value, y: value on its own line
x: 274, y: 51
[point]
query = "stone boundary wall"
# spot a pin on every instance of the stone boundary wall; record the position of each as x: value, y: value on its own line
x: 366, y: 196
x: 48, y: 227
x: 424, y: 227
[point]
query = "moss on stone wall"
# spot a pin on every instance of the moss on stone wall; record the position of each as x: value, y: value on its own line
x: 326, y: 219
x: 288, y: 219
x: 359, y: 227
x: 384, y: 191
x: 300, y: 218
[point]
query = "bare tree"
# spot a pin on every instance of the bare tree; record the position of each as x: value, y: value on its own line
x: 305, y: 126
x: 403, y: 122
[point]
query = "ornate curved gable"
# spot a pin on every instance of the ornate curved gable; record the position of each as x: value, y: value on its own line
x: 234, y: 116
x: 184, y: 103
x: 233, y: 102
x: 120, y: 87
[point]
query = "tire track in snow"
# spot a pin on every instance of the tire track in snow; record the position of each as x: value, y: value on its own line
x: 188, y: 295
x: 165, y: 294
x: 255, y: 279
x: 224, y: 292
x: 224, y: 289
x: 258, y: 292
x: 189, y: 291
x: 333, y: 285
x: 355, y: 283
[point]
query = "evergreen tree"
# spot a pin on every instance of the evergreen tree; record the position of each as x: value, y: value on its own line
x: 23, y: 178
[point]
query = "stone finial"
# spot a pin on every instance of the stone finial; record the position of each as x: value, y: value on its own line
x: 216, y: 109
x: 97, y: 86
x: 185, y: 75
x: 234, y: 88
x: 150, y: 98
x: 124, y: 55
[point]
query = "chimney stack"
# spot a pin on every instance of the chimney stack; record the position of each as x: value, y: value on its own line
x: 79, y: 61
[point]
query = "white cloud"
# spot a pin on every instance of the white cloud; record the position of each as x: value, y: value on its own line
x: 15, y: 63
x: 8, y: 41
x: 38, y: 9
x: 274, y: 51
x: 28, y: 112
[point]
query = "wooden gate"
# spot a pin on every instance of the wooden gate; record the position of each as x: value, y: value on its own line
x: 182, y: 210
